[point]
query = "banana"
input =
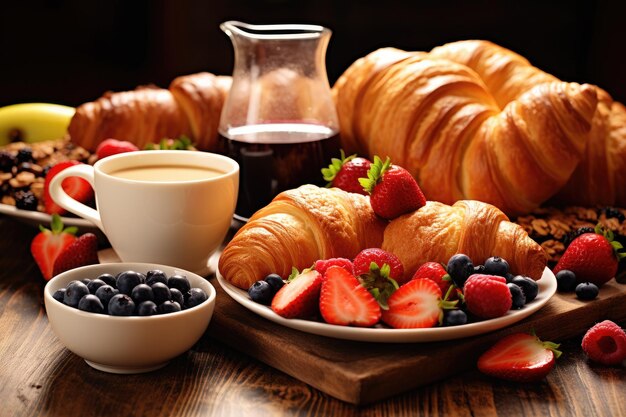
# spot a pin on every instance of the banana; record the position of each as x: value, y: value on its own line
x: 33, y: 122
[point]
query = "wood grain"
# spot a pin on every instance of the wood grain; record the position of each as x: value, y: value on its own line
x: 39, y: 377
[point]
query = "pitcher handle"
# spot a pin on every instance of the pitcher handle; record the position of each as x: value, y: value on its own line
x: 60, y: 197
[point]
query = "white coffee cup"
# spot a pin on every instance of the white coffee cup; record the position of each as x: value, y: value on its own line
x: 164, y: 217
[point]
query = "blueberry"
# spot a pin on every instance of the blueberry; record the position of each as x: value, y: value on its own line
x: 496, y: 266
x: 161, y: 293
x: 180, y: 282
x: 509, y: 277
x: 105, y: 293
x: 26, y: 200
x: 93, y: 285
x: 177, y: 296
x: 59, y: 294
x: 565, y: 280
x: 275, y: 281
x: 587, y: 291
x: 74, y: 293
x: 147, y: 308
x: 141, y: 293
x: 121, y: 305
x: 261, y: 292
x: 459, y: 268
x: 91, y: 303
x: 454, y: 317
x: 168, y: 307
x: 127, y: 280
x: 156, y: 275
x: 479, y: 269
x: 196, y: 297
x: 85, y: 281
x: 528, y: 285
x: 517, y: 295
x: 108, y: 279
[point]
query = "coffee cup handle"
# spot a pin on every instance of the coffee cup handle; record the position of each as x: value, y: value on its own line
x: 60, y: 197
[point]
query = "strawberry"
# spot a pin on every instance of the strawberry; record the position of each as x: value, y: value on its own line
x: 592, y: 257
x: 344, y: 173
x: 436, y: 272
x: 299, y: 298
x: 379, y: 271
x: 487, y: 296
x: 110, y: 147
x: 82, y: 251
x: 77, y: 188
x: 416, y: 304
x: 48, y: 244
x: 605, y: 343
x: 519, y: 357
x: 344, y: 301
x: 322, y: 265
x: 393, y: 190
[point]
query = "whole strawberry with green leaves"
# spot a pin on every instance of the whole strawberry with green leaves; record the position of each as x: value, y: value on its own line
x: 592, y: 257
x: 393, y: 190
x: 345, y: 172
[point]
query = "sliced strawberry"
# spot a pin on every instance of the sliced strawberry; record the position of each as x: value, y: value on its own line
x: 416, y: 304
x: 110, y: 147
x: 299, y: 298
x: 49, y: 244
x: 344, y: 173
x: 519, y: 357
x: 75, y: 187
x: 322, y: 265
x: 344, y: 301
x: 393, y: 190
x: 82, y: 251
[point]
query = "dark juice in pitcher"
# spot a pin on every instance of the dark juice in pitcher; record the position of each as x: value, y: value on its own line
x: 275, y: 157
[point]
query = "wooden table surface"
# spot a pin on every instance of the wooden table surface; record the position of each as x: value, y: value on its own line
x: 39, y: 377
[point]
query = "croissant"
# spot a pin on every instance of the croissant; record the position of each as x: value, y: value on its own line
x: 437, y: 231
x: 192, y: 107
x: 440, y: 120
x: 297, y: 228
x: 600, y: 176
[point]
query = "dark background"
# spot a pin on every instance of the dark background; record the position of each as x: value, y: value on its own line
x: 71, y: 51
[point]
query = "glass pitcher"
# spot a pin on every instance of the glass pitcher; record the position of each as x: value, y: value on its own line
x: 279, y: 120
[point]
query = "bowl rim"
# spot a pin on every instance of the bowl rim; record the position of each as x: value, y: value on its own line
x: 101, y: 316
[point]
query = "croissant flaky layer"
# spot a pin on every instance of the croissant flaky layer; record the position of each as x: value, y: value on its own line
x: 297, y: 228
x: 191, y: 106
x: 472, y: 120
x: 437, y: 231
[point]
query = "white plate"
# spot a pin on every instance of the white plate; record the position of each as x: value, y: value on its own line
x: 36, y: 218
x: 547, y: 288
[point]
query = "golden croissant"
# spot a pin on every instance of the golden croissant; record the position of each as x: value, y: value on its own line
x: 297, y: 228
x: 191, y: 106
x: 471, y: 120
x: 437, y: 231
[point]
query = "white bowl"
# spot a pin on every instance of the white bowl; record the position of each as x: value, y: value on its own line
x: 127, y: 345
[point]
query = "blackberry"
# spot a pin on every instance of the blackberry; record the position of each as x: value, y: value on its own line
x: 610, y: 212
x: 570, y: 236
x: 25, y: 155
x: 7, y: 161
x: 26, y: 200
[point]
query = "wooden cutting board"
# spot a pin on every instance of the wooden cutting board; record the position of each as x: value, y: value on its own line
x: 360, y: 372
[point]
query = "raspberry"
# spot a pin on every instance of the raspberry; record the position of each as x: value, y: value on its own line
x: 364, y: 259
x: 487, y: 296
x: 323, y: 264
x: 605, y: 343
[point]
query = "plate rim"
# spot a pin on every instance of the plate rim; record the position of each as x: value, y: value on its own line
x: 13, y: 211
x: 547, y: 289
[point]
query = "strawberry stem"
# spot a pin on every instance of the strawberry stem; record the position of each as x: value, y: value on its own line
x: 375, y: 174
x: 335, y: 166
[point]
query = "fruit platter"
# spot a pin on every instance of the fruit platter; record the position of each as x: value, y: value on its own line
x: 443, y: 237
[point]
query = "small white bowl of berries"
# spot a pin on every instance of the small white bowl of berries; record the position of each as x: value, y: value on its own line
x: 129, y: 317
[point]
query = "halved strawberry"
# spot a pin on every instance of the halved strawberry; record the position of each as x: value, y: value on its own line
x: 75, y: 187
x: 299, y: 298
x: 345, y: 172
x: 416, y: 304
x: 519, y: 357
x: 82, y: 251
x: 344, y: 301
x: 49, y: 244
